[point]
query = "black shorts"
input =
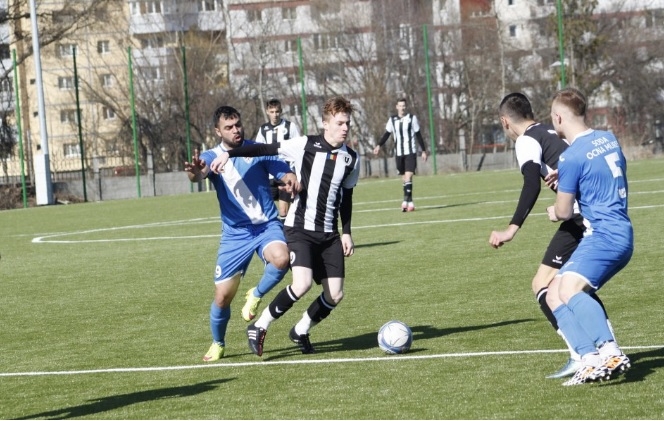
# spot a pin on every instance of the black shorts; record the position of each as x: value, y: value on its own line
x: 320, y: 251
x: 406, y: 163
x: 279, y: 194
x: 564, y: 242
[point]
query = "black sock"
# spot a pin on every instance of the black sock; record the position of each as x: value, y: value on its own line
x: 282, y: 302
x: 320, y: 309
x: 408, y: 191
x: 541, y: 299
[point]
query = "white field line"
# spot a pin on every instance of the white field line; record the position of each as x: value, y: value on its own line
x: 49, y: 238
x: 386, y: 358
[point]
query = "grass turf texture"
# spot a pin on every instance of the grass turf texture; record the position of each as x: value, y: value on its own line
x: 127, y: 284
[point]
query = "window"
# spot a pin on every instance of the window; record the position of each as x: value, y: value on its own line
x: 209, y: 6
x: 103, y: 47
x: 289, y: 13
x: 510, y: 2
x: 106, y: 80
x: 152, y: 42
x: 65, y: 82
x: 254, y: 15
x: 145, y: 7
x: 326, y: 41
x: 4, y: 52
x: 6, y: 85
x: 71, y: 150
x: 152, y: 73
x: 67, y: 116
x: 65, y: 50
x: 512, y: 31
x: 107, y: 113
x: 290, y: 46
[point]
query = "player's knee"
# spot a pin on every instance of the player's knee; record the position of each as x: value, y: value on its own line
x: 336, y: 297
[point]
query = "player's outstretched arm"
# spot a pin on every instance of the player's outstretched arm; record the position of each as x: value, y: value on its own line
x: 196, y: 169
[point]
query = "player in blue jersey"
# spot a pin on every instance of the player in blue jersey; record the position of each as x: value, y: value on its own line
x: 249, y: 216
x: 538, y: 147
x: 328, y: 171
x: 592, y: 171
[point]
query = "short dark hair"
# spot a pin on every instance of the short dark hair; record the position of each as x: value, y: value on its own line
x: 226, y: 112
x: 573, y: 99
x: 336, y: 105
x: 273, y: 103
x: 402, y: 99
x: 517, y: 107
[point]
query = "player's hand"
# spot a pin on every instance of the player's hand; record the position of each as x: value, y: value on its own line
x: 217, y: 165
x: 424, y: 156
x: 291, y: 185
x: 498, y: 238
x: 551, y: 211
x: 196, y: 167
x: 551, y: 179
x: 347, y: 245
x: 376, y: 150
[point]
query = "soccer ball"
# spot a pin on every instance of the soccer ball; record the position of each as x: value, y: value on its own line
x: 395, y: 337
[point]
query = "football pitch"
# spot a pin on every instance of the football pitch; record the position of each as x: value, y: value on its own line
x: 104, y: 313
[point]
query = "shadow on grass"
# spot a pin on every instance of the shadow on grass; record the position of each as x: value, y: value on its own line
x: 109, y: 403
x: 369, y: 340
x: 643, y: 364
x: 385, y: 243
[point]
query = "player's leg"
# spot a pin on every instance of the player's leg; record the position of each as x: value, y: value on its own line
x: 410, y: 164
x: 220, y: 314
x: 236, y: 250
x: 330, y: 270
x: 401, y: 169
x: 274, y: 252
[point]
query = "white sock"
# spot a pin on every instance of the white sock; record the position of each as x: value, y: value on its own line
x: 608, y: 322
x: 302, y: 327
x: 609, y: 349
x: 265, y: 319
x: 572, y: 353
x: 592, y: 359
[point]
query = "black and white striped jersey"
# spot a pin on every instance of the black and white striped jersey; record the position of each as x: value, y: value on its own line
x: 322, y: 171
x: 403, y: 129
x: 283, y: 131
x: 541, y: 145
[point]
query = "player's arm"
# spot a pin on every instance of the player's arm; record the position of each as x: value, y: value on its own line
x: 256, y: 149
x: 345, y: 213
x: 197, y: 169
x: 381, y: 142
x: 423, y: 146
x: 564, y: 206
x: 529, y: 193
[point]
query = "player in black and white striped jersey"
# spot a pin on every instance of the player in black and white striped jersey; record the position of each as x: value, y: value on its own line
x: 327, y: 171
x: 406, y: 129
x: 276, y: 130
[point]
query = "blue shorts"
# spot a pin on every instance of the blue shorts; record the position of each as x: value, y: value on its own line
x: 597, y: 260
x: 238, y: 245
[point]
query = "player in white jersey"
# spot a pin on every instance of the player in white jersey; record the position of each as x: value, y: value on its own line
x: 406, y: 129
x: 537, y: 148
x: 276, y: 130
x: 249, y: 217
x: 328, y: 171
x: 592, y: 171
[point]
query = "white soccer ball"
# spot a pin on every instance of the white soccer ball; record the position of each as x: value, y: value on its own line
x: 395, y: 337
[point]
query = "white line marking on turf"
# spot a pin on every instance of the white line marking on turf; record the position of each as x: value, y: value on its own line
x: 295, y: 362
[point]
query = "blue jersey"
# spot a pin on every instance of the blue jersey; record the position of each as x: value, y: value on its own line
x: 594, y: 169
x: 243, y: 189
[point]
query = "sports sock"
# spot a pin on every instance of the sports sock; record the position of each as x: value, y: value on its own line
x: 590, y: 317
x: 282, y: 303
x: 541, y: 299
x: 271, y: 277
x: 320, y: 309
x: 572, y: 353
x: 576, y: 335
x: 408, y: 191
x: 219, y: 318
x: 302, y: 327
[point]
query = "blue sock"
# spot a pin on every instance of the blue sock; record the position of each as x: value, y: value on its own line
x: 270, y: 279
x: 575, y: 335
x: 219, y: 318
x: 591, y: 317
